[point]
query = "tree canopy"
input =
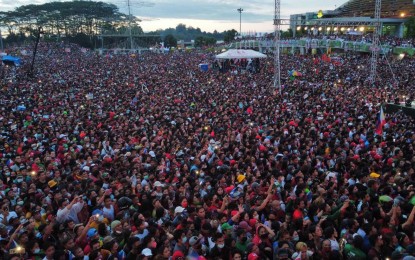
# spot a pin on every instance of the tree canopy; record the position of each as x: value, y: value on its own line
x: 68, y: 19
x: 83, y: 21
x: 410, y: 27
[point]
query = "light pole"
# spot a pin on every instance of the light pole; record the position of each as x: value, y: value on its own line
x: 240, y: 21
x: 1, y: 42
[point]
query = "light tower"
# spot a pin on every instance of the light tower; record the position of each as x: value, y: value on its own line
x: 375, y: 42
x: 277, y: 25
x: 240, y: 10
x: 130, y: 36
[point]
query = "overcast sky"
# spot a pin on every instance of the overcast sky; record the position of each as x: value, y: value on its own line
x: 208, y: 15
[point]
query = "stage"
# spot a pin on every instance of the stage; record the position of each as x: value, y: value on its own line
x: 393, y: 108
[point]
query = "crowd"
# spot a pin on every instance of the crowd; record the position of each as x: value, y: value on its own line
x: 148, y: 157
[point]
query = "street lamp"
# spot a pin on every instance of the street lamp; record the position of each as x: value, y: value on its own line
x: 240, y: 20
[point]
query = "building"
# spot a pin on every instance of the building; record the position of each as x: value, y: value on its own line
x: 356, y: 14
x: 390, y: 8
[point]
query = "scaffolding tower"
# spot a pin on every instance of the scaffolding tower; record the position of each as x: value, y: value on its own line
x: 277, y: 65
x: 375, y: 42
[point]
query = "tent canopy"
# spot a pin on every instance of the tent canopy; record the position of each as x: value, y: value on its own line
x: 11, y: 59
x: 240, y: 54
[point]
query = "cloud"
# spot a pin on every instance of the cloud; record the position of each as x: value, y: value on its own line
x: 257, y: 13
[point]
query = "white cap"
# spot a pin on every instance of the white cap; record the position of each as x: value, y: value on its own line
x: 152, y: 154
x: 158, y: 184
x: 146, y: 252
x: 331, y: 174
x: 178, y: 209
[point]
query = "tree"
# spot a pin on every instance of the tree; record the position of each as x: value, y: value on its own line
x: 286, y: 34
x: 229, y: 35
x: 170, y: 41
x: 410, y: 27
x: 202, y: 41
x: 73, y: 20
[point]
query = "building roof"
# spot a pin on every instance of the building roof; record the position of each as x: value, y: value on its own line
x: 390, y: 8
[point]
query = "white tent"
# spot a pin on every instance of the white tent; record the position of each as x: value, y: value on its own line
x: 240, y: 54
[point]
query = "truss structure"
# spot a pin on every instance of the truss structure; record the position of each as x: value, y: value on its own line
x: 277, y: 65
x: 375, y: 42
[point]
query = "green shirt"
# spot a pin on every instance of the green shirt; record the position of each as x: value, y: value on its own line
x: 353, y: 253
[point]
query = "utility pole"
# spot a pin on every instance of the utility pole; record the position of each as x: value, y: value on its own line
x: 375, y: 48
x: 240, y: 10
x: 277, y: 65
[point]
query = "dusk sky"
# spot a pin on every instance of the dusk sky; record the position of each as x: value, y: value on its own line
x: 208, y: 15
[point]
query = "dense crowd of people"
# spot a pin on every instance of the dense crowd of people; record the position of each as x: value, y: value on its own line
x: 145, y: 156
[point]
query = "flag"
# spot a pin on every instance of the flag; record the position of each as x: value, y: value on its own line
x: 381, y: 122
x: 325, y: 58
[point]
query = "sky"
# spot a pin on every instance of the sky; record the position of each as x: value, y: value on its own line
x: 208, y: 15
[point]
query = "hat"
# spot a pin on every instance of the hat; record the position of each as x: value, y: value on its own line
x: 146, y: 252
x: 389, y: 161
x: 152, y: 154
x: 177, y: 254
x: 115, y: 223
x: 91, y: 232
x: 253, y: 256
x: 107, y: 239
x: 178, y: 209
x: 240, y: 178
x: 75, y: 228
x: 97, y: 212
x: 52, y: 183
x: 255, y: 185
x: 252, y: 222
x: 158, y: 184
x: 226, y: 226
x: 85, y: 168
x: 193, y: 240
x: 374, y: 175
x: 245, y: 225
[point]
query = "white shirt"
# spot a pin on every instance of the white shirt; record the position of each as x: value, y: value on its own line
x: 65, y: 213
x: 334, y: 245
x: 109, y: 212
x: 11, y: 215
